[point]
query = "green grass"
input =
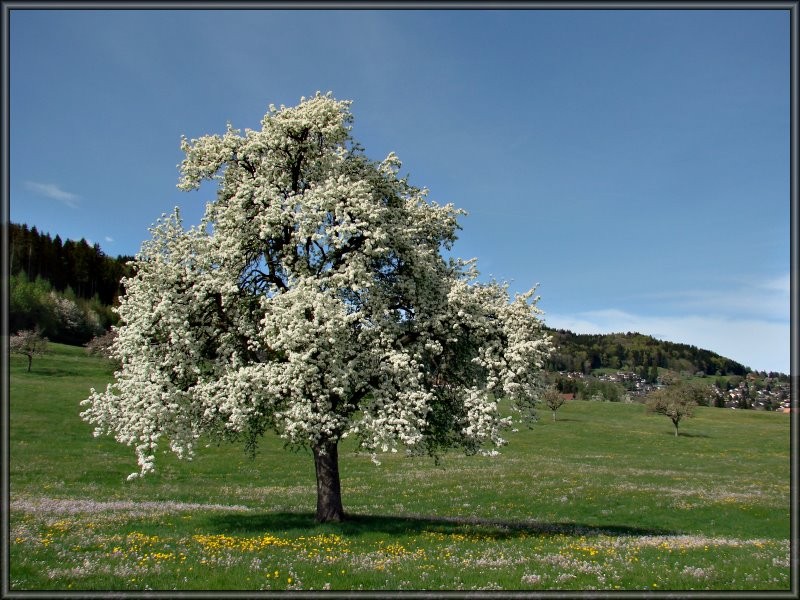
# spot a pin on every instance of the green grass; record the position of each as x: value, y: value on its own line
x: 605, y: 497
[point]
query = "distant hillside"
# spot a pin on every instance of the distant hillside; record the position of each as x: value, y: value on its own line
x: 634, y: 352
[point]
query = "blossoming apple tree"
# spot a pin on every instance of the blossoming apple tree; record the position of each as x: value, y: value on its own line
x: 313, y: 300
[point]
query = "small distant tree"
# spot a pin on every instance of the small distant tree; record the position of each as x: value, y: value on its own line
x: 565, y: 385
x: 553, y: 400
x: 676, y: 402
x: 668, y: 377
x: 28, y: 342
x: 703, y: 394
x: 102, y: 344
x: 602, y: 391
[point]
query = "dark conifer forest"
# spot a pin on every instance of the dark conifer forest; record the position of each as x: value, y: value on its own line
x: 85, y: 269
x: 64, y: 289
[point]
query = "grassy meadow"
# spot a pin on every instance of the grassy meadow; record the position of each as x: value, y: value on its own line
x: 603, y: 498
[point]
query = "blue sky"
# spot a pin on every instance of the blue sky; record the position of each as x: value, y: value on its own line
x: 635, y: 164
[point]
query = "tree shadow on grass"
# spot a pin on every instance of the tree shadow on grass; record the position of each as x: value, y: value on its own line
x: 55, y: 371
x: 302, y: 523
x: 690, y: 435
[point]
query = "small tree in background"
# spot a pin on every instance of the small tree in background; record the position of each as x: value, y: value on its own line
x: 102, y: 344
x: 676, y: 402
x: 28, y: 342
x: 553, y: 400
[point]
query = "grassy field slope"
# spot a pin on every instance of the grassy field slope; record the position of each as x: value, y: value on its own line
x: 605, y: 497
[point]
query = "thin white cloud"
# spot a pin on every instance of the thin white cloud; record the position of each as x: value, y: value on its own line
x: 109, y: 239
x: 762, y: 299
x: 51, y: 190
x: 757, y: 343
x: 780, y: 284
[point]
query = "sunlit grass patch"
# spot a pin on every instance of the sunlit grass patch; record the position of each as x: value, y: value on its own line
x: 172, y: 552
x: 604, y: 498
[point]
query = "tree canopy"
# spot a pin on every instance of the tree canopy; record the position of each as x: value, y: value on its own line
x: 676, y: 402
x: 28, y: 342
x: 314, y: 300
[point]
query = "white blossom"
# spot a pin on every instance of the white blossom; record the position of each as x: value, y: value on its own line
x: 313, y: 300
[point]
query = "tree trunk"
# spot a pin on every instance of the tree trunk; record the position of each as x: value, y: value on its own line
x: 30, y: 362
x: 329, y: 493
x: 676, y: 427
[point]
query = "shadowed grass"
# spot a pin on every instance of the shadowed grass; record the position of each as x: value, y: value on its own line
x: 355, y: 525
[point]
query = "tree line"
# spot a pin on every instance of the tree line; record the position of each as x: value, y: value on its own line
x: 634, y: 352
x: 63, y: 290
x: 84, y: 269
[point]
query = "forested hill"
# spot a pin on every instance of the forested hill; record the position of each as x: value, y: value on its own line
x: 84, y: 269
x: 634, y: 352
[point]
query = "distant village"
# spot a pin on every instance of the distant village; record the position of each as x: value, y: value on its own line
x: 752, y: 391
